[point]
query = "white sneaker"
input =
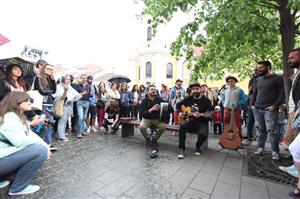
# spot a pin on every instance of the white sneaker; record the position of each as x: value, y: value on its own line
x: 4, y: 183
x: 94, y: 129
x: 275, y: 155
x: 259, y: 151
x: 180, y: 154
x: 27, y: 190
x: 102, y: 128
x: 88, y: 130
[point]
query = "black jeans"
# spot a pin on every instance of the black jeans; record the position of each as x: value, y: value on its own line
x: 106, y: 123
x: 218, y: 128
x: 250, y: 124
x: 200, y: 128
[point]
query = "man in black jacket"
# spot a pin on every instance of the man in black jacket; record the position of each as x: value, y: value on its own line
x: 150, y: 110
x: 199, y: 123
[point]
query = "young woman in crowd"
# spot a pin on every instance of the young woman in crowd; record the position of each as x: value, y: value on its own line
x: 22, y: 152
x: 45, y: 83
x: 113, y: 92
x: 13, y: 81
x: 125, y: 98
x: 102, y: 103
x: 135, y: 101
x: 177, y: 99
x: 111, y: 117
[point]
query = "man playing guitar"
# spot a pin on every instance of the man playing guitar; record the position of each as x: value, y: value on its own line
x: 197, y: 122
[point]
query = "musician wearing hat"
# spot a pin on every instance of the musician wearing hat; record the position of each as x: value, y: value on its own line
x: 196, y: 108
x: 233, y: 98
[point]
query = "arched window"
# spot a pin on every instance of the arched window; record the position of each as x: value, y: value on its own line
x: 169, y: 70
x: 149, y: 33
x: 148, y: 69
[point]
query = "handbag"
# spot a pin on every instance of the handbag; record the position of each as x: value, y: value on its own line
x: 59, y: 107
x: 36, y: 96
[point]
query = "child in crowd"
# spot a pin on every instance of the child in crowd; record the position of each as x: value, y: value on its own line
x: 111, y: 117
x: 178, y: 98
x: 217, y: 120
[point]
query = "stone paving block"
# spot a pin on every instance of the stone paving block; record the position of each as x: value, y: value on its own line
x: 110, y: 176
x: 234, y: 163
x: 254, y: 181
x: 225, y: 191
x: 204, y: 182
x: 250, y: 191
x: 212, y: 167
x: 118, y: 188
x: 278, y: 190
x: 145, y: 190
x: 194, y: 194
x: 182, y: 178
x: 231, y: 176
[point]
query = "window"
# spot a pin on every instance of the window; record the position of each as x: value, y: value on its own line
x: 169, y: 70
x: 148, y: 69
x: 149, y: 33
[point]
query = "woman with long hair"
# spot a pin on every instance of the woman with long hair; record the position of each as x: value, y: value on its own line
x: 142, y: 96
x: 135, y: 101
x: 125, y: 98
x: 13, y: 81
x: 114, y: 92
x: 111, y: 117
x: 22, y: 152
x: 45, y: 83
x: 102, y: 103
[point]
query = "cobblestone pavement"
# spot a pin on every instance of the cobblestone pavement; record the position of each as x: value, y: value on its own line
x: 107, y: 166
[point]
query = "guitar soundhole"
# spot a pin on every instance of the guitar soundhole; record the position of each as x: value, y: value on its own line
x: 230, y: 135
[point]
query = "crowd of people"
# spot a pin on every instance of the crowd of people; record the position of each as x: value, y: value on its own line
x: 82, y: 107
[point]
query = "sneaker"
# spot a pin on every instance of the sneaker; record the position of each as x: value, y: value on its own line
x: 94, y: 129
x: 27, y: 190
x: 259, y: 151
x: 88, y: 130
x: 4, y: 183
x: 247, y: 143
x: 79, y: 135
x: 198, y: 151
x: 293, y: 172
x: 101, y: 128
x: 180, y: 154
x: 86, y: 133
x: 63, y: 139
x: 286, y: 169
x: 52, y: 147
x: 275, y: 155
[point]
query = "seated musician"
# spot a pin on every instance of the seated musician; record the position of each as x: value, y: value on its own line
x: 197, y: 120
x: 150, y: 111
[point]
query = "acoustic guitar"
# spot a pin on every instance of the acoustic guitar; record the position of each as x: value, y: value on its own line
x: 188, y: 112
x: 230, y: 139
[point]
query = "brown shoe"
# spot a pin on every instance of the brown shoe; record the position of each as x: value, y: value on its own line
x: 86, y: 134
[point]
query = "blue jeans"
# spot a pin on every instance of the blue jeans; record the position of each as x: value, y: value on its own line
x: 49, y: 128
x: 82, y: 111
x: 25, y: 163
x: 62, y: 123
x: 266, y: 122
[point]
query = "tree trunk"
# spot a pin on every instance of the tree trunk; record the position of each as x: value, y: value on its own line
x: 288, y: 34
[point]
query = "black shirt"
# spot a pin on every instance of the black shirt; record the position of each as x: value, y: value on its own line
x: 202, y: 105
x: 268, y: 91
x: 112, y: 114
x: 80, y: 88
x: 147, y: 104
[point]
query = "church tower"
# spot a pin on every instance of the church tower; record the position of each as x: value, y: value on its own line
x: 154, y: 63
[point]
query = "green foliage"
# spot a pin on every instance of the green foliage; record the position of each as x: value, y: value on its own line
x: 237, y: 33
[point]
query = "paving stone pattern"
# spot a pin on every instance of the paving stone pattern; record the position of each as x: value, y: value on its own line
x: 107, y: 166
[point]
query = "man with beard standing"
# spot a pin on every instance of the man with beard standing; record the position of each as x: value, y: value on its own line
x: 198, y: 123
x: 268, y: 94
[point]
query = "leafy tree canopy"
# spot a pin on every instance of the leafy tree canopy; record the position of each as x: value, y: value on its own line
x: 237, y: 33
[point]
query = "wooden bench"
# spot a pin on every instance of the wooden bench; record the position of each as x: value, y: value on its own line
x: 128, y: 126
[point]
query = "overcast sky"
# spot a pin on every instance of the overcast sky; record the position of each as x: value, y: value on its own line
x: 75, y: 32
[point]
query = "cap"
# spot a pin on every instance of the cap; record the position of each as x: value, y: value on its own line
x: 178, y: 80
x: 195, y: 84
x: 231, y: 77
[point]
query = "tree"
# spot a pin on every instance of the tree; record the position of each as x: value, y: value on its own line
x: 238, y: 33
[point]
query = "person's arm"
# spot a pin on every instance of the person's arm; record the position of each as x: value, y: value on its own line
x: 281, y: 94
x: 242, y: 100
x: 116, y: 120
x: 3, y: 89
x: 254, y: 95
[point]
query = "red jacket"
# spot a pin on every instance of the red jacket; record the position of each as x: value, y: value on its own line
x: 216, y: 117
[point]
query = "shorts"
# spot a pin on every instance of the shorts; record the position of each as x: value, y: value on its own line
x: 92, y: 111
